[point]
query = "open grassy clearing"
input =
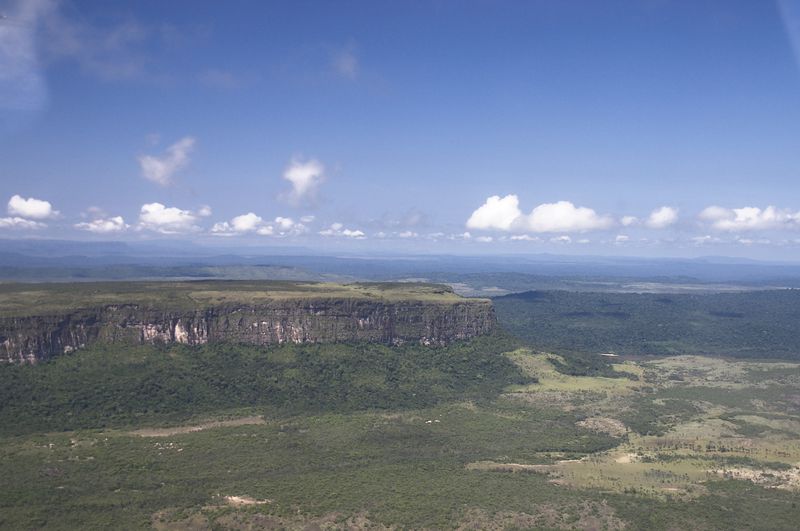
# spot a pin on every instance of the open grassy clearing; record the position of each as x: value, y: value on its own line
x: 672, y: 443
x: 44, y: 299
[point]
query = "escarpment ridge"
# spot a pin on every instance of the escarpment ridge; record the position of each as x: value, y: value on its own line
x: 38, y: 322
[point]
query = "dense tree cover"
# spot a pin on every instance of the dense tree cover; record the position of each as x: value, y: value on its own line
x: 111, y: 385
x: 750, y: 324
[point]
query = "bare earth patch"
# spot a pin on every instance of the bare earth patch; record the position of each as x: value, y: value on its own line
x: 330, y: 521
x: 588, y: 515
x: 607, y: 425
x: 178, y: 430
x: 239, y: 501
x: 776, y: 479
x: 508, y: 467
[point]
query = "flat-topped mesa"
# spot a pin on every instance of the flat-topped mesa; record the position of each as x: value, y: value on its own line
x: 38, y: 322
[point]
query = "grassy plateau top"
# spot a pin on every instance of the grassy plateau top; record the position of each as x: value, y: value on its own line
x: 43, y: 299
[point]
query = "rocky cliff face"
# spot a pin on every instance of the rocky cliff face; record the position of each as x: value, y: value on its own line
x: 33, y: 338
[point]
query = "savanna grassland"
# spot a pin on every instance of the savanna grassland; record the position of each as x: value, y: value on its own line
x: 20, y: 299
x: 488, y: 434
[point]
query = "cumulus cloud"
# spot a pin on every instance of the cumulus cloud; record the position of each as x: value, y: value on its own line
x: 161, y: 170
x: 663, y: 217
x: 750, y: 218
x: 306, y: 178
x: 284, y: 224
x: 27, y: 214
x: 339, y: 230
x: 561, y: 239
x: 524, y: 238
x: 252, y: 223
x: 204, y: 211
x: 408, y: 234
x: 504, y: 214
x: 20, y: 223
x: 30, y: 208
x: 563, y: 216
x: 104, y: 225
x: 627, y: 221
x: 621, y: 238
x: 166, y: 220
x: 498, y: 213
x: 245, y: 223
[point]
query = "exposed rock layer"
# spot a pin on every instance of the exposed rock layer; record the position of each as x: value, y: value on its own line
x: 30, y: 339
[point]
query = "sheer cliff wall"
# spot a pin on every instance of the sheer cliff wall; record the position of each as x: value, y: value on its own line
x: 33, y: 338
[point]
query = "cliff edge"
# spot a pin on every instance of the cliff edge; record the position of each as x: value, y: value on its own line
x: 38, y: 322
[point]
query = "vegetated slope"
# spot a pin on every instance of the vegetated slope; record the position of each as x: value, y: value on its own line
x: 41, y: 321
x: 111, y: 385
x: 750, y: 324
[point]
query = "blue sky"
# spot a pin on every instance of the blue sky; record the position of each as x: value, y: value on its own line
x: 656, y: 127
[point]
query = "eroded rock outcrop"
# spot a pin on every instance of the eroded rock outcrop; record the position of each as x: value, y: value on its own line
x: 31, y: 338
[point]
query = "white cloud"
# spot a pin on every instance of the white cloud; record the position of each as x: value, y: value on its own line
x: 663, y: 217
x: 284, y: 224
x: 30, y: 208
x: 161, y: 169
x: 563, y: 216
x: 242, y: 224
x: 266, y: 230
x: 306, y: 178
x: 750, y: 218
x: 621, y: 238
x: 627, y: 221
x: 525, y: 238
x: 408, y: 234
x: 353, y: 234
x: 339, y: 230
x: 103, y: 225
x: 20, y: 223
x: 252, y: 223
x: 561, y: 239
x: 307, y: 219
x: 166, y: 220
x: 504, y: 214
x: 484, y: 239
x: 289, y: 227
x: 204, y: 211
x: 496, y: 213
